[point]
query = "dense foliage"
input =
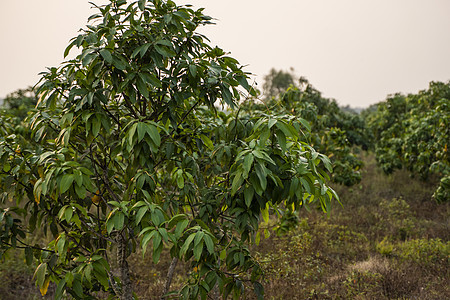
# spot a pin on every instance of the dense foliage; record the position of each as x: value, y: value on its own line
x: 18, y: 103
x: 414, y: 132
x: 127, y: 149
x: 334, y: 132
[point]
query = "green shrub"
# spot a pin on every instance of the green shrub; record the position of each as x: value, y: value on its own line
x: 421, y: 251
x: 385, y: 247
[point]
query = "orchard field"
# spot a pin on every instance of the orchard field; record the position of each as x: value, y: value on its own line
x: 149, y: 167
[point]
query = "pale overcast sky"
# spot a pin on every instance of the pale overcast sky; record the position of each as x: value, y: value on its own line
x: 355, y: 51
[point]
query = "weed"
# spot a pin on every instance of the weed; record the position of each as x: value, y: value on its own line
x: 363, y: 284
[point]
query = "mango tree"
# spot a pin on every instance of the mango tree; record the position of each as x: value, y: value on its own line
x: 129, y: 151
x: 413, y: 132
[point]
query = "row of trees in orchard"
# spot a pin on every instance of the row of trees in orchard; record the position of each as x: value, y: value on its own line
x: 126, y: 150
x: 413, y: 132
x: 405, y: 131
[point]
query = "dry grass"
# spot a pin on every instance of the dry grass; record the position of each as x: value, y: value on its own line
x: 340, y: 258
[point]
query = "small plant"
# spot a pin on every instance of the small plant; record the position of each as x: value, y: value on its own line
x: 385, y: 247
x: 366, y: 284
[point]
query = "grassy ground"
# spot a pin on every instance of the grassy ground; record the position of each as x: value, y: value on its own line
x: 390, y: 240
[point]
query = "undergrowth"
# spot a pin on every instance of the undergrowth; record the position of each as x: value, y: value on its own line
x: 390, y: 240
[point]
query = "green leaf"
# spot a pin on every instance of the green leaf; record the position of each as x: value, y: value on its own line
x: 66, y: 182
x: 147, y: 238
x: 326, y: 162
x: 144, y: 49
x: 180, y: 227
x: 60, y: 245
x: 265, y: 134
x: 272, y: 122
x: 60, y: 289
x: 202, y: 224
x: 119, y: 220
x: 157, y: 253
x: 227, y: 96
x: 244, y: 83
x: 258, y: 238
x: 248, y: 195
x: 164, y: 51
x: 263, y: 155
x: 157, y: 240
x: 165, y: 43
x: 141, y: 212
x: 78, y: 288
x: 95, y: 126
x: 6, y: 167
x: 39, y: 274
x: 81, y: 191
x: 198, y: 250
x: 141, y: 129
x: 130, y: 134
x: 209, y: 244
x: 152, y: 79
x: 68, y: 214
x: 287, y: 129
x: 281, y: 140
x: 198, y: 237
x: 248, y: 162
x: 100, y: 272
x: 193, y: 70
x: 223, y: 254
x: 29, y: 255
x: 67, y: 50
x: 259, y: 290
x: 141, y: 4
x: 186, y: 244
x: 142, y: 87
x: 88, y: 58
x: 154, y: 134
x: 305, y: 123
x: 164, y: 234
x: 262, y: 176
x: 208, y: 143
x: 180, y: 179
x: 306, y: 185
x: 119, y: 63
x: 106, y: 54
x: 237, y: 182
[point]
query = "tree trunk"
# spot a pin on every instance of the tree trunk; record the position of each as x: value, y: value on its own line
x: 127, y: 288
x: 172, y: 267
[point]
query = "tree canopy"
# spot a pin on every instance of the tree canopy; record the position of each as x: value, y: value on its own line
x: 413, y: 132
x: 126, y: 150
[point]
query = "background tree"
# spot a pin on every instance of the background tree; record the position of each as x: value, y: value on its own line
x: 277, y: 82
x: 129, y: 151
x: 337, y: 133
x: 413, y: 131
x: 19, y: 103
